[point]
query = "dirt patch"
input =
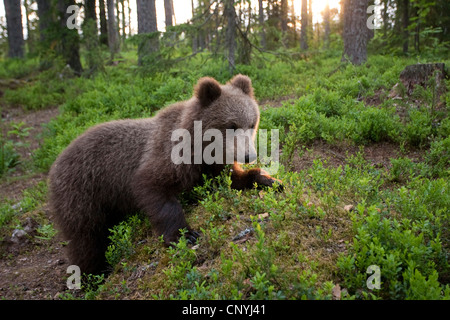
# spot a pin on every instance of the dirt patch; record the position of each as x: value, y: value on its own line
x: 35, y: 271
x: 30, y: 268
x: 20, y: 179
x: 376, y: 99
x: 278, y: 102
x: 32, y: 120
x: 378, y: 154
x: 11, y: 188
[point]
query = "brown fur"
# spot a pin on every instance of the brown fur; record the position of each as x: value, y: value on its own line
x: 124, y: 166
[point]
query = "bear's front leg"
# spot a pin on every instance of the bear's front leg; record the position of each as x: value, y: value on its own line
x: 167, y: 218
x: 246, y: 179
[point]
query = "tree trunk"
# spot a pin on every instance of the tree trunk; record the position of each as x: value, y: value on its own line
x: 230, y: 40
x: 90, y: 18
x: 89, y: 10
x: 113, y: 35
x: 90, y: 39
x: 116, y: 2
x: 70, y: 40
x: 284, y: 15
x: 129, y: 18
x: 294, y: 20
x: 30, y: 42
x: 327, y: 31
x: 430, y: 76
x: 124, y: 25
x: 147, y: 24
x: 304, y: 31
x: 103, y: 23
x: 194, y: 37
x: 405, y: 25
x: 310, y: 13
x: 168, y: 6
x: 261, y: 24
x: 385, y: 15
x: 45, y: 18
x: 14, y: 28
x: 355, y: 31
x: 417, y: 31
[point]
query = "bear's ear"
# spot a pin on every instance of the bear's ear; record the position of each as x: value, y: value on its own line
x: 244, y: 83
x: 207, y: 90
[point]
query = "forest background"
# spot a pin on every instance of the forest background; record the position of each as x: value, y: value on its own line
x: 358, y: 90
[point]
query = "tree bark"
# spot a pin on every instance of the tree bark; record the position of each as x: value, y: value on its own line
x: 327, y: 31
x: 116, y: 3
x: 113, y: 34
x: 356, y: 33
x: 89, y: 10
x: 129, y: 18
x: 230, y: 40
x: 310, y: 18
x: 405, y: 26
x: 91, y: 39
x: 424, y: 75
x: 14, y: 28
x: 124, y: 25
x: 103, y: 23
x: 261, y: 24
x: 417, y: 31
x: 385, y: 14
x: 45, y: 18
x: 168, y: 6
x: 70, y: 40
x: 147, y: 24
x: 284, y: 15
x: 304, y: 31
x: 30, y: 42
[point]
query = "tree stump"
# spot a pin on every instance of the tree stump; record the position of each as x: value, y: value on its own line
x: 425, y: 75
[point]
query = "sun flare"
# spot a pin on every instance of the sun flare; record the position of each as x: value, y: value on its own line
x: 318, y: 6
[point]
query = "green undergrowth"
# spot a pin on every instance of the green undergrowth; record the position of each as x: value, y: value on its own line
x: 318, y: 237
x: 299, y: 243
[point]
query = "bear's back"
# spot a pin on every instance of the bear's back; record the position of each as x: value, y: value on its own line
x: 98, y: 166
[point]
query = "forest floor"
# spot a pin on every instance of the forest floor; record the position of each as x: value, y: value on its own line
x: 34, y: 269
x: 365, y: 176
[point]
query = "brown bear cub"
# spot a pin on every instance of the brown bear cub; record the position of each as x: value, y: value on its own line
x: 122, y: 167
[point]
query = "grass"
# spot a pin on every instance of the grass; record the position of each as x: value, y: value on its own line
x: 300, y: 243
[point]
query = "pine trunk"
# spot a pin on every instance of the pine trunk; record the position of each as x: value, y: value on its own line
x: 113, y: 34
x: 230, y: 40
x: 70, y: 40
x: 124, y: 25
x: 405, y: 26
x: 45, y: 18
x: 284, y: 15
x: 304, y: 31
x: 327, y: 31
x: 169, y: 13
x: 30, y: 42
x: 14, y: 28
x: 103, y: 23
x: 147, y: 24
x: 261, y: 24
x: 356, y: 33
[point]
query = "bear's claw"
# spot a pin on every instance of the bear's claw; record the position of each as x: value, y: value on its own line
x: 192, y: 236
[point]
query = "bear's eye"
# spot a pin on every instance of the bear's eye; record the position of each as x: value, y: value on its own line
x: 232, y: 126
x: 253, y: 126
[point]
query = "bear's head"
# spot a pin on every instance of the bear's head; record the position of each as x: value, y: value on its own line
x: 230, y: 110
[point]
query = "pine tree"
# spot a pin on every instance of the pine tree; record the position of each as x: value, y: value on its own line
x: 14, y: 28
x: 356, y: 33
